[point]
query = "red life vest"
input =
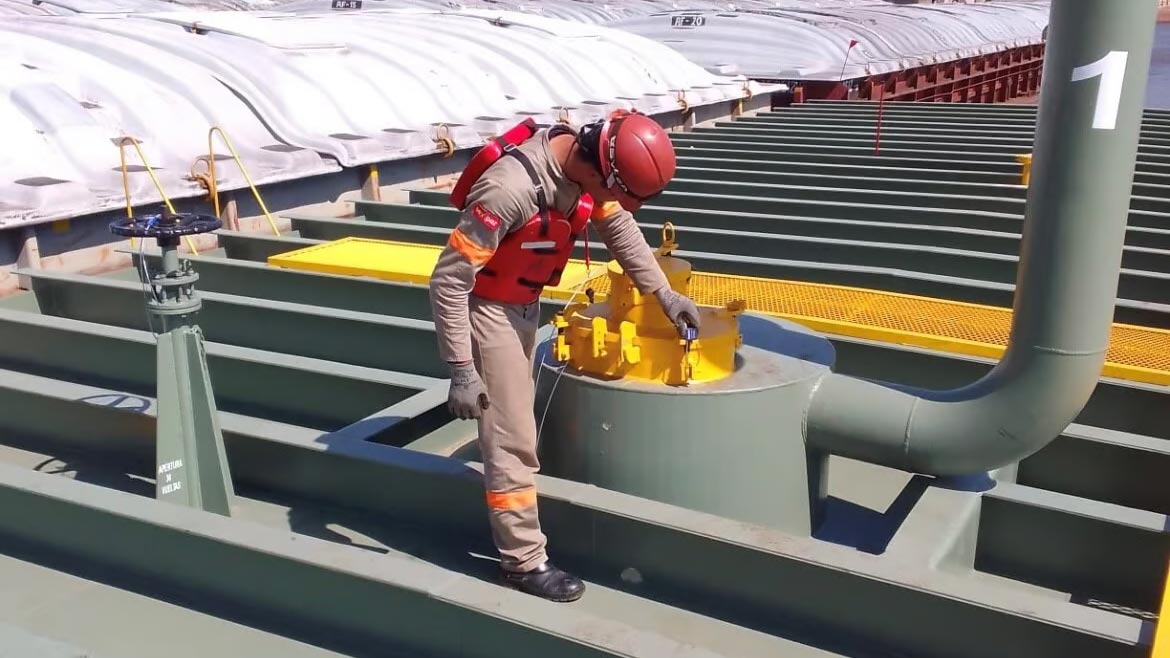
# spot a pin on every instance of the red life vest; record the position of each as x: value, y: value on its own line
x: 534, y: 255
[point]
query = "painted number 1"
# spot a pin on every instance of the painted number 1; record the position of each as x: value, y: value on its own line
x: 1111, y: 70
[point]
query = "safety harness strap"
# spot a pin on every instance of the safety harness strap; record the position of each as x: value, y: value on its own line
x: 541, y: 200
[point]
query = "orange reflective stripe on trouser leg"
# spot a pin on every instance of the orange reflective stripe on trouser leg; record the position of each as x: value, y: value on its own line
x: 466, y: 247
x: 511, y: 500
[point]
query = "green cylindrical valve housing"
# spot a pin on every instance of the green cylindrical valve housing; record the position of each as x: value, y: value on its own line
x: 731, y: 447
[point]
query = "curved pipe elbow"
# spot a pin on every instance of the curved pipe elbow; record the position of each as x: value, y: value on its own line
x: 1017, y: 409
x: 1071, y: 245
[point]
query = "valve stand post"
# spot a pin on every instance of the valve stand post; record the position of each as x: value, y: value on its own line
x: 192, y: 466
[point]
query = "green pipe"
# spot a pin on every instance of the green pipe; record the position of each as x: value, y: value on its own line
x: 1154, y: 154
x: 319, y: 333
x: 938, y: 109
x: 867, y: 171
x: 1070, y: 264
x: 258, y: 247
x: 823, y: 191
x: 783, y: 157
x: 889, y: 135
x: 945, y: 125
x: 848, y: 147
x: 262, y: 384
x: 367, y: 295
x: 1151, y: 119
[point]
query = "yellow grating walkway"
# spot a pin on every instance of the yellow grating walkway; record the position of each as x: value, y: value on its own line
x: 1135, y: 353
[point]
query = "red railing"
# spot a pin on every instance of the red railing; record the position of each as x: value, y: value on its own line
x: 987, y: 78
x: 972, y: 80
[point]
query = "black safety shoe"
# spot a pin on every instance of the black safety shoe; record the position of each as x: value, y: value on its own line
x: 547, y: 582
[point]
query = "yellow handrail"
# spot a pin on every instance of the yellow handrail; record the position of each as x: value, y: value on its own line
x: 214, y: 189
x: 157, y: 185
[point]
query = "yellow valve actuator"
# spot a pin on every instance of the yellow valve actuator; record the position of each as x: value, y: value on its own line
x: 628, y: 336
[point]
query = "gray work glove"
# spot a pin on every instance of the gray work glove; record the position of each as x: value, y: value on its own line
x: 468, y: 397
x: 679, y: 308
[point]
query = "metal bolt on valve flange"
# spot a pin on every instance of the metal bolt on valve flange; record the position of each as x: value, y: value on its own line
x: 175, y: 282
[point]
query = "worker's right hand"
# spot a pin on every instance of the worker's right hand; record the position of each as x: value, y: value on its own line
x: 679, y: 308
x: 468, y: 397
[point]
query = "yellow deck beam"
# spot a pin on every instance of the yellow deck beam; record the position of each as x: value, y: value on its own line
x: 406, y: 262
x: 1135, y: 353
x: 1162, y: 630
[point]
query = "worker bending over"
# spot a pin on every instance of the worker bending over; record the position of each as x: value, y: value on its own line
x: 520, y: 217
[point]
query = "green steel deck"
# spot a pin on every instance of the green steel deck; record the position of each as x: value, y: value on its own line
x: 360, y: 527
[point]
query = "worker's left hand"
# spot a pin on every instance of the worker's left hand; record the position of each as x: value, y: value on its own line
x: 467, y: 397
x: 679, y: 308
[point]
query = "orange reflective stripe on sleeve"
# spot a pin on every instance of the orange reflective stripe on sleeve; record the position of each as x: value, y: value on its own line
x: 465, y: 246
x: 511, y: 500
x: 604, y: 210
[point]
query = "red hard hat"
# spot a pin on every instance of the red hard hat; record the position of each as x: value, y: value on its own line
x: 636, y: 154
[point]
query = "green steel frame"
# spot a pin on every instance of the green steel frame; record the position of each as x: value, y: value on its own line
x: 359, y: 522
x: 362, y: 468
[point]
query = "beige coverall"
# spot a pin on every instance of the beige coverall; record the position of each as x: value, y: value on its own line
x: 500, y: 338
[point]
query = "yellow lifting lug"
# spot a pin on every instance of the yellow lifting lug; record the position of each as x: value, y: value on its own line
x: 733, y: 308
x: 631, y: 353
x: 600, y: 329
x: 562, y: 345
x: 443, y: 140
x: 668, y: 242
